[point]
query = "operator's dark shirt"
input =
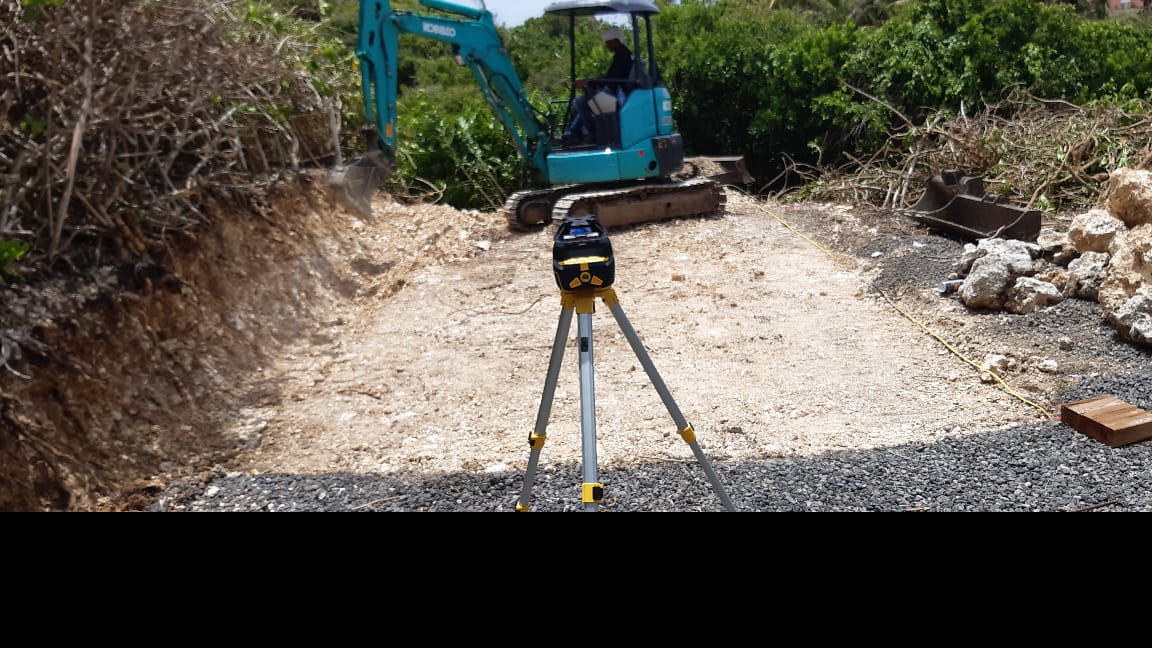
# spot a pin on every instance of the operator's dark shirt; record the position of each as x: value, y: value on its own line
x: 621, y: 67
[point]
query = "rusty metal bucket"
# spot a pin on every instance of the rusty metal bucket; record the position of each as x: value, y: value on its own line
x: 957, y: 204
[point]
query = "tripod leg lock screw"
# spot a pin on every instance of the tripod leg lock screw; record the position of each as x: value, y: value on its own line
x: 536, y: 441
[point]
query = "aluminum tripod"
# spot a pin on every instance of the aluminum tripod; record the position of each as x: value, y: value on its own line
x: 583, y: 303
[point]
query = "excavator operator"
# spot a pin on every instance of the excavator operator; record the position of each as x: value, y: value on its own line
x: 581, y: 128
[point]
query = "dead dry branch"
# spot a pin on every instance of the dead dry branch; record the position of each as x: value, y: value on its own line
x: 1046, y: 155
x: 119, y: 121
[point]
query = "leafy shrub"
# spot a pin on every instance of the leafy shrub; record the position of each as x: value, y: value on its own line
x: 456, y: 148
x: 759, y: 84
x: 784, y: 87
x: 10, y: 253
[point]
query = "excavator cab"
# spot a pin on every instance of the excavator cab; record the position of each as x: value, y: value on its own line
x: 632, y: 120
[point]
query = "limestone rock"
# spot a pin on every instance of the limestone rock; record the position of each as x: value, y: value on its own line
x: 1130, y: 196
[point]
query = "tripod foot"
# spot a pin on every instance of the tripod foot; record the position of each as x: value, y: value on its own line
x: 593, y: 493
x: 536, y: 443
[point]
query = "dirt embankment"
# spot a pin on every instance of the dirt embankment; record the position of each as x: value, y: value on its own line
x: 129, y: 385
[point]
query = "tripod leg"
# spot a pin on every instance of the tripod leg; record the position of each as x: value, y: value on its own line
x: 682, y: 426
x: 539, y: 433
x: 592, y: 491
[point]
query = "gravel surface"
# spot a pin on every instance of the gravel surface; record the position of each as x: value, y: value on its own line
x: 1023, y: 468
x: 1036, y: 466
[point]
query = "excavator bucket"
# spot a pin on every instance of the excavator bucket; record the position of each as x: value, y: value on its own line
x: 725, y: 169
x: 957, y: 204
x: 733, y: 170
x: 356, y: 183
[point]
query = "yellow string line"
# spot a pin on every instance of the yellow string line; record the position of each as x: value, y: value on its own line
x: 798, y: 232
x: 989, y: 371
x: 927, y: 330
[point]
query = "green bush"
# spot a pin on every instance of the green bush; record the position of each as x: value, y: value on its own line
x: 784, y: 87
x: 765, y: 84
x: 814, y: 84
x: 449, y: 141
x: 10, y: 253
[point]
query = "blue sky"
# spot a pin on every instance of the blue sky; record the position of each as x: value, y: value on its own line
x: 512, y: 13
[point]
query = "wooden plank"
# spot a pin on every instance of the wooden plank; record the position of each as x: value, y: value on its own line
x: 1108, y: 419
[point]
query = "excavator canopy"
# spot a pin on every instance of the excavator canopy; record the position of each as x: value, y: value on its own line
x: 593, y: 7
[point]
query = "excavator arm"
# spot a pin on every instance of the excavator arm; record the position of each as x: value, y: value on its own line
x: 475, y: 43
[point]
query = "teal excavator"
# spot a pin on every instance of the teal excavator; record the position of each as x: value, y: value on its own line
x: 632, y: 172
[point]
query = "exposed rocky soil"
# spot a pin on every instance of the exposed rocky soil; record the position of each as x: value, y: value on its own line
x: 303, y: 339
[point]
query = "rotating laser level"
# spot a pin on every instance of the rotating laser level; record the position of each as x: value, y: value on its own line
x: 582, y: 254
x: 584, y: 269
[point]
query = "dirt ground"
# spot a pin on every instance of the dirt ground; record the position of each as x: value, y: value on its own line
x: 306, y: 339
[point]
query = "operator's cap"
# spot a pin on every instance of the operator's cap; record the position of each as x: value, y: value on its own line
x: 612, y: 33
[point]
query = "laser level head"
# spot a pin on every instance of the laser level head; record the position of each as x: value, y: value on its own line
x: 582, y: 254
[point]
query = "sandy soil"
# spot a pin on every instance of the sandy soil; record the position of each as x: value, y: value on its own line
x: 769, y: 343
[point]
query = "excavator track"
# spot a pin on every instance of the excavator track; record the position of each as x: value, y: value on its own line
x: 617, y: 205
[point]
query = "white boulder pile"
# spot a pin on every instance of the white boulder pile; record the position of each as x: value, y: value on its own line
x: 1106, y: 256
